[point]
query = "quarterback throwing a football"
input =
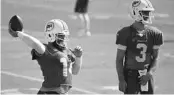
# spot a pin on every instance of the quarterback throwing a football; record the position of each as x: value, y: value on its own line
x: 137, y: 52
x: 56, y: 60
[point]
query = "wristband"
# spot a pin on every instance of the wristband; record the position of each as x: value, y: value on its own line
x: 20, y: 35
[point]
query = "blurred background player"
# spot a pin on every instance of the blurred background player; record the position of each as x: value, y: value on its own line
x: 137, y: 51
x: 56, y: 60
x: 81, y: 10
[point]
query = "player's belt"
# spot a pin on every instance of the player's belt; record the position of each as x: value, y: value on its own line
x: 134, y: 73
x: 130, y: 72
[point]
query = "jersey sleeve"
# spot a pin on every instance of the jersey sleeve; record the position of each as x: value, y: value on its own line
x: 121, y: 39
x: 35, y: 55
x: 158, y: 41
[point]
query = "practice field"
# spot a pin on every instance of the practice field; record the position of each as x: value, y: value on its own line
x: 21, y: 75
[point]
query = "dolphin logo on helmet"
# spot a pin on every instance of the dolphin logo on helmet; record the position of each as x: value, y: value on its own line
x: 136, y: 3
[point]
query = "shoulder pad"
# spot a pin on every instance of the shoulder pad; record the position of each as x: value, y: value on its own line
x: 154, y: 29
x: 124, y: 30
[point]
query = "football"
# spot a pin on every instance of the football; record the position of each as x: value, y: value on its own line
x: 15, y: 23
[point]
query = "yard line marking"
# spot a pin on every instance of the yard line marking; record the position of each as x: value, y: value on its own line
x: 17, y: 91
x: 110, y: 88
x: 168, y: 55
x: 162, y: 15
x: 39, y: 5
x: 9, y: 90
x: 14, y: 91
x: 21, y: 76
x: 41, y: 80
x: 115, y: 88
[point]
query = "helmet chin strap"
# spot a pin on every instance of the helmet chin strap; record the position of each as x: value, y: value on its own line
x: 146, y: 20
x: 59, y: 45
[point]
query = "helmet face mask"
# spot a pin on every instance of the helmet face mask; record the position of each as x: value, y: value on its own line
x: 141, y: 11
x: 57, y: 32
x: 61, y: 36
x: 146, y: 16
x: 61, y: 40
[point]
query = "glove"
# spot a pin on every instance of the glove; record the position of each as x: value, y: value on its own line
x: 77, y: 51
x: 15, y: 25
x: 145, y: 78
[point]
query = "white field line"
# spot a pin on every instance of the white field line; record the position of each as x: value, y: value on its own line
x: 121, y: 16
x: 9, y: 90
x: 115, y: 88
x: 38, y: 5
x: 96, y: 16
x: 169, y: 55
x: 41, y: 80
x: 15, y: 91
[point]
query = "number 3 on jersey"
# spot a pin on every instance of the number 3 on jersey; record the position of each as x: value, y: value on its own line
x: 143, y: 52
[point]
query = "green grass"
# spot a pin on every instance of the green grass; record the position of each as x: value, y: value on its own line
x: 98, y: 68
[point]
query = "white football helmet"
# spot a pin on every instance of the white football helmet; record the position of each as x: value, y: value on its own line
x: 56, y: 29
x: 141, y: 11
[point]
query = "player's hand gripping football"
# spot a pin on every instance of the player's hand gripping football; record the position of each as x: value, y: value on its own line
x: 77, y: 51
x: 15, y: 26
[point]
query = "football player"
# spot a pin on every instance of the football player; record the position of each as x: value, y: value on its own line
x: 137, y: 50
x: 56, y: 60
x: 81, y: 10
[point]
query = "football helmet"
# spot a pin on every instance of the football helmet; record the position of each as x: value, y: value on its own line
x: 56, y: 31
x: 141, y: 11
